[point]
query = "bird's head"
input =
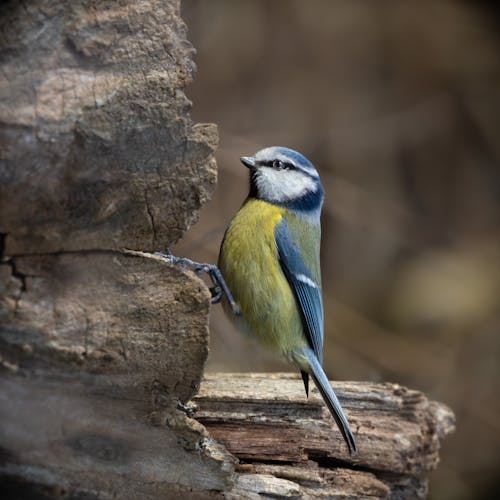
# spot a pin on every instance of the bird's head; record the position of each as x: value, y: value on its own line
x: 284, y: 177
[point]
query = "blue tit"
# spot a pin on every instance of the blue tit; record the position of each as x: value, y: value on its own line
x: 270, y: 260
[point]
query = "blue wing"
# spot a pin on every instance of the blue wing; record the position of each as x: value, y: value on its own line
x: 306, y: 290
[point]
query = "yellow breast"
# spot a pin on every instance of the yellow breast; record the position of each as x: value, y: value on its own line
x: 249, y: 263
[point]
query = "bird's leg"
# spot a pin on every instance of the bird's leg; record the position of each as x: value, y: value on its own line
x: 220, y: 287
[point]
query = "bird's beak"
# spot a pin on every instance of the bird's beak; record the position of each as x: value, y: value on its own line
x: 248, y: 161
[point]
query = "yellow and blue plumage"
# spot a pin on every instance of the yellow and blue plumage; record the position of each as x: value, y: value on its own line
x: 270, y: 260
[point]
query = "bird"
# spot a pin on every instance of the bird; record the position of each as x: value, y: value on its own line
x: 270, y: 261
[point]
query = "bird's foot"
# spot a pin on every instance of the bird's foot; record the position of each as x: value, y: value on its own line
x: 219, y: 288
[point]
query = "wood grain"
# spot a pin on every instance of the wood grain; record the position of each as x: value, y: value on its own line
x: 265, y: 419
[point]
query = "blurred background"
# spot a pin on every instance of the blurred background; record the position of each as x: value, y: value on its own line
x: 398, y: 106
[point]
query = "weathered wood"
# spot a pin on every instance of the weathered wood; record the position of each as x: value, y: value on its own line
x: 97, y: 350
x: 265, y: 418
x: 128, y: 314
x: 98, y: 149
x: 98, y: 346
x: 92, y: 437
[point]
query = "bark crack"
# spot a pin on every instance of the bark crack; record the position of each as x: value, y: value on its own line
x: 14, y: 271
x: 150, y: 214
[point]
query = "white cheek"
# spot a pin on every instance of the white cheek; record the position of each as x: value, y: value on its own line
x: 280, y: 185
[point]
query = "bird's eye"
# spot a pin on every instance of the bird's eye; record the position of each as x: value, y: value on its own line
x: 278, y: 164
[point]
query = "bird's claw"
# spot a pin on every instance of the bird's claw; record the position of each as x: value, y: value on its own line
x: 216, y: 292
x: 219, y: 288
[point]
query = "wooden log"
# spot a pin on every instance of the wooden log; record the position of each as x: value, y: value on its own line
x: 93, y: 437
x: 98, y: 346
x: 125, y: 314
x: 266, y: 420
x: 97, y: 350
x: 98, y: 148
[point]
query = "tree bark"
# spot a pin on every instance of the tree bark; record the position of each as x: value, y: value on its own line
x: 98, y: 147
x: 99, y: 345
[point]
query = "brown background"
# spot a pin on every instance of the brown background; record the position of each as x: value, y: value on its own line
x: 398, y: 106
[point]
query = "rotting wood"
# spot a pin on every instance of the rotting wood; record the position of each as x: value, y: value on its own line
x: 98, y: 346
x: 96, y: 352
x: 266, y: 420
x: 98, y: 148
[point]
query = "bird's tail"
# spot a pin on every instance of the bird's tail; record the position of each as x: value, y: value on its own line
x: 324, y: 387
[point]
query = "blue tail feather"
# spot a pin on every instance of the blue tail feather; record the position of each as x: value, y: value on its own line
x: 331, y: 400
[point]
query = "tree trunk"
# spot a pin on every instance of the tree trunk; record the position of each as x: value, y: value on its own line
x: 98, y: 345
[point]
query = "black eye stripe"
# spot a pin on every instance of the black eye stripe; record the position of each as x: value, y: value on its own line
x: 284, y: 165
x: 279, y: 164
